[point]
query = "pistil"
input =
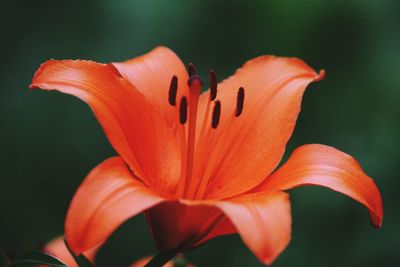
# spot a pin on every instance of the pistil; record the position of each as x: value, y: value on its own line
x: 195, y: 84
x: 201, y: 146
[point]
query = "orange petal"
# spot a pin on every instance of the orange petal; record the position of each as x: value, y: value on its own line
x: 326, y: 166
x: 132, y: 124
x: 180, y: 227
x: 57, y: 248
x: 263, y: 220
x: 250, y: 147
x: 223, y: 226
x: 151, y: 74
x: 107, y: 197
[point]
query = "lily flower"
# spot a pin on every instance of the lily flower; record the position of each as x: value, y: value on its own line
x: 199, y: 165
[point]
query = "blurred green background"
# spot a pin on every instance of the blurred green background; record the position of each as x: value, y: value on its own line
x: 49, y: 141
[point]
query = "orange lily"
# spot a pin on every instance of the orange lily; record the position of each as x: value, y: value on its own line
x: 200, y: 165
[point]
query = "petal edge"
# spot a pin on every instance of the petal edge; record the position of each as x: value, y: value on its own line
x: 127, y: 117
x: 249, y: 147
x: 263, y: 220
x: 107, y: 197
x: 326, y: 166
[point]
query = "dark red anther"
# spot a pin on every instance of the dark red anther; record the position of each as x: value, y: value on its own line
x: 173, y: 89
x: 183, y: 110
x: 191, y: 70
x: 216, y: 114
x: 239, y: 102
x: 213, y: 85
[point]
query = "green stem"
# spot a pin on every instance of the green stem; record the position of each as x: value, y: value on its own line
x: 160, y: 260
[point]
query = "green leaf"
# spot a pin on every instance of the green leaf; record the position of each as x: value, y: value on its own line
x: 81, y: 260
x: 34, y: 258
x: 3, y: 260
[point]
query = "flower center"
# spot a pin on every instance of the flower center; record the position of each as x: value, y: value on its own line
x: 194, y: 152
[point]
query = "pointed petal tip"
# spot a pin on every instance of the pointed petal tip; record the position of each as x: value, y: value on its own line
x: 268, y: 260
x: 376, y: 217
x: 377, y: 224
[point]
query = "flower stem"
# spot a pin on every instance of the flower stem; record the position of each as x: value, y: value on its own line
x: 160, y: 259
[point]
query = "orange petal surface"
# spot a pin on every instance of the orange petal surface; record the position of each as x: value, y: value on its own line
x: 132, y: 124
x: 58, y: 249
x: 180, y: 227
x: 326, y: 166
x: 263, y: 221
x: 151, y: 74
x: 107, y: 197
x: 246, y: 149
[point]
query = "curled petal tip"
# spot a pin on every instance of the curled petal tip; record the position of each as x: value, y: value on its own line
x: 320, y: 76
x: 35, y: 84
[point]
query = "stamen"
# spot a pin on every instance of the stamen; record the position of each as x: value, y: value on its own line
x: 183, y: 110
x: 191, y: 70
x: 216, y: 114
x: 239, y: 102
x: 173, y: 88
x: 213, y: 85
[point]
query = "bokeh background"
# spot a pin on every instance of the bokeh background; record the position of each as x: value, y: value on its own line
x: 49, y: 141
